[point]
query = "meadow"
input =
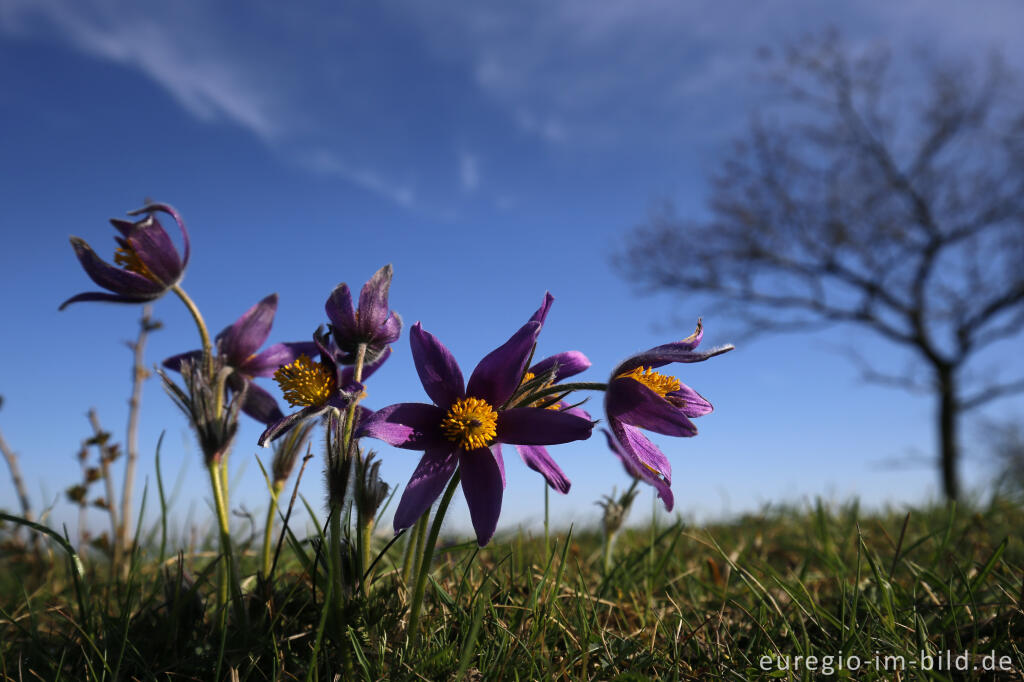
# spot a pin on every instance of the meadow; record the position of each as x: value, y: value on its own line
x: 793, y: 592
x: 752, y: 598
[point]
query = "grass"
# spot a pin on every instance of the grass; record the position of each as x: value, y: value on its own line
x: 751, y: 598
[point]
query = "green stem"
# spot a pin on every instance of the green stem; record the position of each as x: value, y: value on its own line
x: 366, y: 535
x: 547, y: 547
x: 337, y: 605
x: 428, y: 555
x: 411, y: 550
x: 606, y: 552
x: 421, y: 539
x: 204, y: 334
x: 269, y: 526
x: 220, y: 504
x: 350, y: 416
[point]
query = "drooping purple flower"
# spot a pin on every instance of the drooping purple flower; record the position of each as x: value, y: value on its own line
x: 564, y: 365
x: 466, y: 425
x: 317, y: 387
x: 372, y: 323
x: 640, y: 398
x: 147, y: 263
x: 237, y: 345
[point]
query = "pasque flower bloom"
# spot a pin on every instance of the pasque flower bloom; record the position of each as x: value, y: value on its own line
x: 317, y: 387
x: 640, y: 398
x: 147, y: 263
x: 237, y: 345
x: 372, y: 324
x: 564, y: 365
x: 466, y: 425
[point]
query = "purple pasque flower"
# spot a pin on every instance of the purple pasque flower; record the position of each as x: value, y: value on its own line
x: 556, y: 367
x: 147, y: 263
x: 318, y: 387
x: 640, y: 398
x: 641, y: 472
x: 237, y: 345
x: 372, y: 323
x: 466, y: 425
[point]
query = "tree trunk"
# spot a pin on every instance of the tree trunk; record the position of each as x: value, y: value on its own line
x: 948, y: 416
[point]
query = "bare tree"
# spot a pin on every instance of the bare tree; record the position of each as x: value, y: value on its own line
x: 895, y: 208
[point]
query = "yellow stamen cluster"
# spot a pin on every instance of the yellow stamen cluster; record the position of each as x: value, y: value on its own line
x: 126, y: 257
x: 530, y: 376
x: 470, y: 423
x: 662, y: 384
x: 305, y: 383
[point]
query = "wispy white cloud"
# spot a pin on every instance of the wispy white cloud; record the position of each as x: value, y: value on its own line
x: 599, y: 71
x: 186, y: 51
x: 207, y: 85
x: 326, y: 163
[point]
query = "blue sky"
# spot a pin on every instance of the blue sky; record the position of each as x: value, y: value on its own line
x: 491, y: 152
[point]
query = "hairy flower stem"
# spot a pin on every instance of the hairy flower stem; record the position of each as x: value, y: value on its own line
x: 226, y: 582
x: 218, y: 469
x: 350, y: 416
x: 413, y: 540
x: 428, y: 556
x: 366, y: 537
x: 204, y: 334
x: 268, y: 527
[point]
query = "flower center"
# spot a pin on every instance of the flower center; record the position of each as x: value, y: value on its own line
x: 662, y: 384
x: 126, y: 257
x: 471, y: 423
x: 305, y: 382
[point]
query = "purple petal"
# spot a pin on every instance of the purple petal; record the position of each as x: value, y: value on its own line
x: 632, y: 403
x: 164, y: 208
x: 373, y: 300
x: 413, y: 426
x: 125, y: 227
x: 539, y: 426
x: 689, y: 402
x: 483, y: 486
x: 390, y: 330
x: 174, y: 362
x: 260, y: 405
x: 106, y: 298
x: 496, y: 451
x: 111, y: 277
x: 286, y: 424
x: 575, y: 411
x: 247, y: 334
x: 340, y: 311
x: 498, y: 375
x: 663, y: 489
x: 569, y: 363
x: 641, y: 452
x: 264, y: 364
x: 428, y: 480
x: 439, y: 373
x: 680, y: 351
x: 538, y: 459
x: 156, y: 251
x: 542, y: 311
